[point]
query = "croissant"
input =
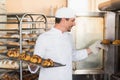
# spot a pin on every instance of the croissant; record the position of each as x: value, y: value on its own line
x: 47, y: 63
x: 36, y: 59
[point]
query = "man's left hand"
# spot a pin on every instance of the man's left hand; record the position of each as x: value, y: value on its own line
x: 97, y: 46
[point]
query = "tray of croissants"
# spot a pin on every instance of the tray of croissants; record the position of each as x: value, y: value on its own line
x: 34, y: 59
x: 111, y: 42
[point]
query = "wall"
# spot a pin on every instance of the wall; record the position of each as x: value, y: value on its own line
x: 33, y: 6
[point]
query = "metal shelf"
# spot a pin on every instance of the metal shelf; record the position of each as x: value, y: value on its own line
x: 20, y: 19
x: 9, y: 30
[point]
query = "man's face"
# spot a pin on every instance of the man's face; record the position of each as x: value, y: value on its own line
x: 70, y: 23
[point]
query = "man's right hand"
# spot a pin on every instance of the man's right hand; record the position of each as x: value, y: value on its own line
x: 33, y: 68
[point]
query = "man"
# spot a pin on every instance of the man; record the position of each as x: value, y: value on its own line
x: 57, y: 44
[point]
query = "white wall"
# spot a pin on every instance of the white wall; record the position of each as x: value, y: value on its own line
x: 33, y: 6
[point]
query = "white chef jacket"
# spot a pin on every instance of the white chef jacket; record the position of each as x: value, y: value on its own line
x: 57, y: 46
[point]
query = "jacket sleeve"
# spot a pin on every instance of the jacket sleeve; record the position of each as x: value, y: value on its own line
x: 39, y: 49
x: 79, y: 54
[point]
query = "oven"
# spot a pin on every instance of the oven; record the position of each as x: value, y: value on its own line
x: 89, y: 28
x: 107, y: 65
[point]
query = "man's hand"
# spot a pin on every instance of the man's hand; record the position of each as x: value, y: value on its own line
x: 33, y: 68
x: 97, y: 46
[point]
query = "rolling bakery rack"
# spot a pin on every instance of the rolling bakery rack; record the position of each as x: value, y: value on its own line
x: 19, y: 24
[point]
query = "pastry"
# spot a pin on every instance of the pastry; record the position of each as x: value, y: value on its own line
x: 3, y: 51
x: 39, y: 59
x: 1, y: 43
x: 25, y: 36
x: 13, y: 53
x: 36, y: 59
x: 24, y: 56
x: 27, y: 57
x: 33, y: 59
x: 32, y: 35
x: 106, y: 41
x: 116, y: 42
x: 24, y: 43
x: 16, y: 53
x: 9, y: 64
x: 47, y: 63
x: 7, y: 36
x: 15, y: 36
x: 31, y: 42
x: 10, y: 54
x: 12, y: 43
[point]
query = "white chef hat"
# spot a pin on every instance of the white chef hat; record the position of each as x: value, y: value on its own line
x: 65, y: 13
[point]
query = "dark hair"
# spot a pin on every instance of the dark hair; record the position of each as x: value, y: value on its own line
x: 57, y: 20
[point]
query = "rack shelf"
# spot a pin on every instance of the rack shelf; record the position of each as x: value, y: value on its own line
x: 26, y: 23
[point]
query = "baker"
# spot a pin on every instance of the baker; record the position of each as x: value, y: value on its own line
x: 57, y: 44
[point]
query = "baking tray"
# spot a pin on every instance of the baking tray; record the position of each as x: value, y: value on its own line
x: 56, y: 64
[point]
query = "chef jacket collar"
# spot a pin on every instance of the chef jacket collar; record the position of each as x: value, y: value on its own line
x: 57, y: 30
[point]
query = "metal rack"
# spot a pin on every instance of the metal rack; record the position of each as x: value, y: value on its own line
x: 34, y: 21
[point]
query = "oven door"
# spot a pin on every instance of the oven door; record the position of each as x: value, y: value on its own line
x: 89, y: 28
